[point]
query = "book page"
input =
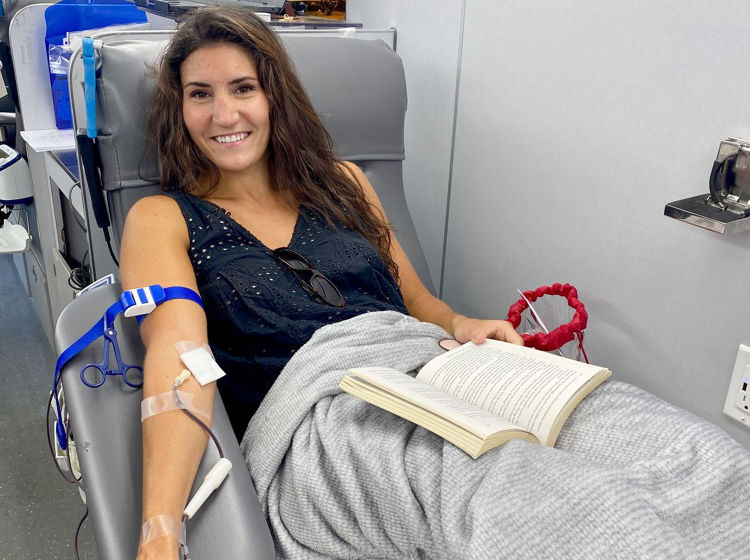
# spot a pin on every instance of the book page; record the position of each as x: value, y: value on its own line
x: 472, y: 418
x: 521, y: 385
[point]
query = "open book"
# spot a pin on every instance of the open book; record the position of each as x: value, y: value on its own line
x: 480, y: 396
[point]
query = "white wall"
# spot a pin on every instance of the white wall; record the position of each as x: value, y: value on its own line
x: 427, y: 39
x: 577, y: 122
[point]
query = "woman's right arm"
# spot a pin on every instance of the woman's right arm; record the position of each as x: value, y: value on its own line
x: 155, y: 251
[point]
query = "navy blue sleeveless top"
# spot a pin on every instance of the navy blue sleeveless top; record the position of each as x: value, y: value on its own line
x: 258, y: 314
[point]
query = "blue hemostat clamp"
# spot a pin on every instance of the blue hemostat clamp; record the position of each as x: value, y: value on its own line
x: 132, y: 303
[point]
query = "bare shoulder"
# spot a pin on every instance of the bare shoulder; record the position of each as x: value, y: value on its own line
x: 154, y: 250
x: 153, y: 216
x: 159, y: 206
x: 353, y: 171
x: 155, y: 243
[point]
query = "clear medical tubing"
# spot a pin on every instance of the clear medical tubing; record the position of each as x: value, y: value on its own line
x: 561, y: 335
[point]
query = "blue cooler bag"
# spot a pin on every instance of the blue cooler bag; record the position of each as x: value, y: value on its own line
x: 77, y: 15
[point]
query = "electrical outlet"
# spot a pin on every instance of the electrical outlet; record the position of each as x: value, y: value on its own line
x: 737, y: 405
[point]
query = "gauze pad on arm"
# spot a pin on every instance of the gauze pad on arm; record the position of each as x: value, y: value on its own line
x: 199, y: 360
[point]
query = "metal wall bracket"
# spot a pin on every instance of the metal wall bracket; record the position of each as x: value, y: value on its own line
x: 698, y: 212
x: 726, y: 208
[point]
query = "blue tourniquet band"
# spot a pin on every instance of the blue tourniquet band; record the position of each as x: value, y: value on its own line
x: 89, y: 85
x: 142, y: 298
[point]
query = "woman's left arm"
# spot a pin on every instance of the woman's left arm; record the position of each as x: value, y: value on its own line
x: 421, y: 303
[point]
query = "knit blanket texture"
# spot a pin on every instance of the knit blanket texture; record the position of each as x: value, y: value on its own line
x: 630, y: 476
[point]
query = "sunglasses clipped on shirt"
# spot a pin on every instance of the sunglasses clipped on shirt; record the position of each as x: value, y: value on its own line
x: 311, y: 279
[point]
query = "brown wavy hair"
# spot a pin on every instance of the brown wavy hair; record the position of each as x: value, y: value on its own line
x: 300, y: 150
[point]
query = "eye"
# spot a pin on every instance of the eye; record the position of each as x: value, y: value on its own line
x: 246, y: 88
x: 197, y: 94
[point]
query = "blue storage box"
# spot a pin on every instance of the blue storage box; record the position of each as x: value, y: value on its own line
x: 77, y: 15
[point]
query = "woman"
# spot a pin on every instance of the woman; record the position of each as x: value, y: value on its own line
x: 256, y: 205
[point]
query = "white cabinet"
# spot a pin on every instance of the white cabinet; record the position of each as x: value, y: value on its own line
x: 19, y: 259
x: 39, y: 295
x: 65, y: 201
x: 43, y: 270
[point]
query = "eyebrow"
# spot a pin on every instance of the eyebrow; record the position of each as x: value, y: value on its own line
x: 232, y: 82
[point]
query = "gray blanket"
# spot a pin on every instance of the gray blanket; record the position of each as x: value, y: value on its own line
x: 631, y: 476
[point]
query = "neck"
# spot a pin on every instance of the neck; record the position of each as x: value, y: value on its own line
x: 254, y: 183
x: 251, y: 190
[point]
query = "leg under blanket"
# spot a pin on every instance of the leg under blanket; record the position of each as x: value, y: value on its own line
x: 630, y: 477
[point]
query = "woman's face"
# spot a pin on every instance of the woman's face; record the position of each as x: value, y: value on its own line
x: 225, y: 110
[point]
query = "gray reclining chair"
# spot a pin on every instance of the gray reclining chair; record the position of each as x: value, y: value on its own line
x: 358, y: 87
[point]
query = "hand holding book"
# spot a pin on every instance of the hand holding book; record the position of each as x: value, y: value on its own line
x: 466, y: 329
x: 480, y: 396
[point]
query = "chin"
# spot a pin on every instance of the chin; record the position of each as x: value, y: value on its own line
x: 238, y: 167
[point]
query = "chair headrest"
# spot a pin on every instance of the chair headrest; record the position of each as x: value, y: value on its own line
x: 362, y: 105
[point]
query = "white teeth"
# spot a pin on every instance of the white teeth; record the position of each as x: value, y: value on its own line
x: 230, y: 138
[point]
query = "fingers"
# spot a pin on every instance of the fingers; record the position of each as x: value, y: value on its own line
x: 512, y: 336
x: 499, y: 330
x: 477, y: 331
x: 480, y: 335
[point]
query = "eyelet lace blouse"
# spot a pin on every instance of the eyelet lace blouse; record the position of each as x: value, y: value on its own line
x: 258, y: 314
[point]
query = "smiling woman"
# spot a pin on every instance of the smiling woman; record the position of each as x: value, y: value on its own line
x: 299, y: 152
x: 227, y: 115
x: 225, y: 110
x: 279, y: 237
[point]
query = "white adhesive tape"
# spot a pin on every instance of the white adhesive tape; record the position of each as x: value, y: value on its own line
x: 160, y: 526
x: 188, y: 345
x: 165, y: 402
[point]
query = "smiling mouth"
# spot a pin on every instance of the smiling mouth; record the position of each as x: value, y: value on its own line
x: 231, y: 138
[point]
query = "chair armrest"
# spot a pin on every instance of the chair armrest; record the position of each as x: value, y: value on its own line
x: 106, y: 426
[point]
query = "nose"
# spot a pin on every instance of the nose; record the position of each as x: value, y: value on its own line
x: 224, y: 110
